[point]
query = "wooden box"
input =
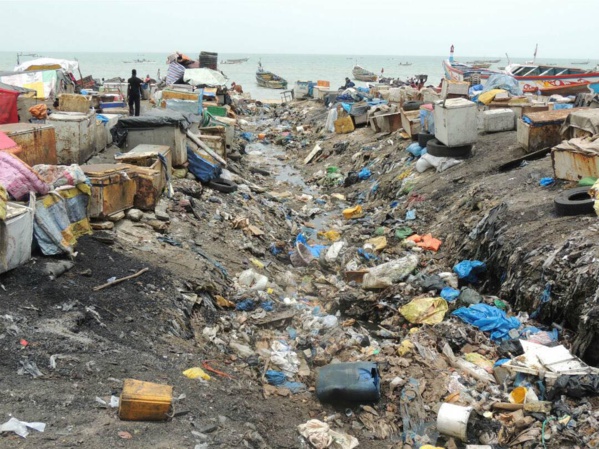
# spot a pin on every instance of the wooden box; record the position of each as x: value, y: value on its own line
x: 145, y: 401
x: 344, y: 125
x: 113, y: 188
x: 151, y: 172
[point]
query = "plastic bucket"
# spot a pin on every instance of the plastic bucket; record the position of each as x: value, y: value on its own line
x: 452, y: 420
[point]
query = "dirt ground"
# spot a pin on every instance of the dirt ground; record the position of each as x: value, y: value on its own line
x: 152, y: 327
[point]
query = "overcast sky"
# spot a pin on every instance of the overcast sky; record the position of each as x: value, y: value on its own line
x: 562, y: 28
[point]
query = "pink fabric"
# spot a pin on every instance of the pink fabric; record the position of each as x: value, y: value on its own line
x: 18, y: 179
x: 6, y: 143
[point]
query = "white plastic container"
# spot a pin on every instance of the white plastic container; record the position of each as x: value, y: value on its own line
x: 75, y: 136
x: 301, y: 89
x: 497, y: 120
x: 453, y: 419
x: 455, y: 122
x: 17, y: 230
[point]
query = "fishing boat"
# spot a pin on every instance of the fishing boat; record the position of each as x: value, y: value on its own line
x: 361, y: 74
x: 581, y: 62
x: 558, y: 88
x: 235, y: 61
x: 269, y: 79
x: 481, y: 65
x: 405, y: 63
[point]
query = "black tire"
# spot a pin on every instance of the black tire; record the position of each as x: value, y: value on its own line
x: 423, y: 139
x: 412, y: 105
x: 222, y: 185
x: 436, y: 148
x: 574, y: 202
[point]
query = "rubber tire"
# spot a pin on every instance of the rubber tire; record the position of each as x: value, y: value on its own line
x: 568, y: 202
x: 436, y: 148
x: 412, y: 105
x: 222, y: 185
x: 423, y: 139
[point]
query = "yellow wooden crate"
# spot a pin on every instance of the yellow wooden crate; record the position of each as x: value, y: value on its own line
x: 145, y: 401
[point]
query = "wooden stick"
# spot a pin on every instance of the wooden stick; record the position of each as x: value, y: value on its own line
x: 118, y: 281
x: 195, y: 139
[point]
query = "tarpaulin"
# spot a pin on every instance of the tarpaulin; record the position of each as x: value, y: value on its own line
x: 488, y: 318
x: 61, y: 219
x: 8, y: 107
x: 505, y: 82
x: 201, y: 168
x: 585, y: 120
x: 156, y: 117
x: 46, y: 83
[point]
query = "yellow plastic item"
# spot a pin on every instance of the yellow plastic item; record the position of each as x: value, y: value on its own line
x: 353, y: 212
x: 425, y: 310
x: 257, y: 263
x: 480, y: 360
x: 223, y: 302
x: 430, y: 446
x: 331, y: 235
x: 344, y: 125
x: 489, y: 96
x: 405, y: 347
x: 145, y: 401
x: 195, y: 373
x: 380, y: 243
x: 270, y: 291
x: 518, y: 395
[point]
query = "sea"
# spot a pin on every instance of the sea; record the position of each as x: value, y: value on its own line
x: 292, y: 67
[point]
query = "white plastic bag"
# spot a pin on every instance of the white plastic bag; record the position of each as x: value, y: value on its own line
x: 21, y: 427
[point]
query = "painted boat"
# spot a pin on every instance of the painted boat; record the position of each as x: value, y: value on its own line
x: 533, y: 77
x: 361, y: 74
x: 269, y: 79
x: 559, y: 88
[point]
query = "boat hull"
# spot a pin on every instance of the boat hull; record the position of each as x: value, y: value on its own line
x: 270, y: 81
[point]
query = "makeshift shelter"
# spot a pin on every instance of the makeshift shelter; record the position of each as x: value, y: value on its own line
x: 47, y: 84
x: 204, y: 77
x: 48, y: 64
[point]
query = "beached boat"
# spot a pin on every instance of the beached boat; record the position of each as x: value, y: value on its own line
x: 269, y: 79
x: 531, y: 77
x: 235, y: 61
x: 361, y: 74
x: 559, y: 88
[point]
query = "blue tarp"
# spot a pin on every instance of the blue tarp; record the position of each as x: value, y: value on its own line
x: 201, y: 168
x: 469, y: 269
x: 503, y: 81
x: 488, y: 318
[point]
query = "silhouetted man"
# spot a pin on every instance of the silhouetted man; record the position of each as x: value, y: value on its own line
x: 134, y: 93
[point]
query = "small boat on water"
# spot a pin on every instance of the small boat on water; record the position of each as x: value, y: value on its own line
x: 139, y: 61
x: 405, y: 63
x: 235, y: 61
x: 361, y: 74
x: 269, y: 79
x: 581, y: 62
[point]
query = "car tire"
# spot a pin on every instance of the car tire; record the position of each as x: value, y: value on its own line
x: 412, y: 105
x: 436, y: 148
x: 423, y: 139
x: 222, y: 185
x: 574, y: 202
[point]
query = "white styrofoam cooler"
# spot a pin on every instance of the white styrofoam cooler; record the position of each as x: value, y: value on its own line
x: 455, y: 122
x: 16, y: 236
x: 497, y: 120
x: 75, y: 136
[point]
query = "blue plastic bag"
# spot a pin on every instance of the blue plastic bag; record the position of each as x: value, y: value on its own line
x: 411, y: 214
x: 414, y: 149
x: 364, y: 174
x: 450, y: 294
x: 545, y: 182
x: 366, y: 255
x: 248, y: 136
x: 247, y: 305
x: 268, y: 305
x: 489, y: 319
x: 314, y: 250
x: 469, y: 269
x: 275, y: 377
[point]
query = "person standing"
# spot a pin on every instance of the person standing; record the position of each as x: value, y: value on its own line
x: 134, y: 93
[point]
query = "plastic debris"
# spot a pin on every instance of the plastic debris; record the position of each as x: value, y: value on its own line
x: 331, y: 235
x: 379, y: 243
x: 252, y: 280
x: 321, y: 436
x: 403, y: 232
x: 274, y: 377
x: 425, y: 310
x: 247, y: 305
x: 546, y: 182
x: 426, y: 241
x: 364, y: 174
x: 449, y: 294
x: 21, y: 428
x: 387, y: 274
x: 353, y: 212
x: 353, y: 382
x: 480, y: 360
x: 196, y: 373
x: 469, y: 270
x: 411, y: 214
x: 489, y: 319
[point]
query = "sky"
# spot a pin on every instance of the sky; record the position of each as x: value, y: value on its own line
x: 562, y: 28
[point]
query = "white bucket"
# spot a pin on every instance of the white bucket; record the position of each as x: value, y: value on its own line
x: 452, y: 420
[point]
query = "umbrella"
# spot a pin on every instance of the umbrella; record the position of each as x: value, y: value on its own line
x: 204, y: 77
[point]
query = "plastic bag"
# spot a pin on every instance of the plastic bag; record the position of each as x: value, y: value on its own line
x: 196, y: 373
x: 414, y: 149
x: 249, y: 278
x: 353, y: 212
x: 469, y: 269
x: 449, y: 294
x: 21, y: 427
x: 480, y: 360
x: 489, y: 319
x: 425, y: 310
x: 389, y: 273
x: 320, y: 436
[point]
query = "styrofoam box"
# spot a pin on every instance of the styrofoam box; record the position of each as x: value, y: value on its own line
x: 497, y: 120
x: 455, y: 122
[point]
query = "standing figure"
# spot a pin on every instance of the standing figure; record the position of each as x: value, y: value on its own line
x: 134, y: 93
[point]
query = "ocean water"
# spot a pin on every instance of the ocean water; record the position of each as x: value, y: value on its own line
x: 333, y: 68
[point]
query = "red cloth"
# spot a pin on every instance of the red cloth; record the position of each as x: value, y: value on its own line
x: 6, y: 143
x: 8, y: 107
